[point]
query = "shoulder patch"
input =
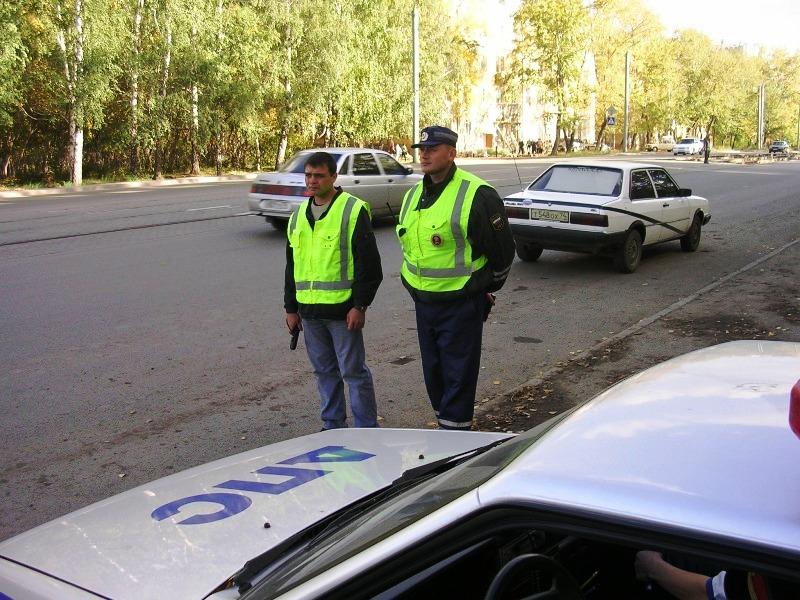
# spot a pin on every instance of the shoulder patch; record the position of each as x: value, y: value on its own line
x: 497, y: 221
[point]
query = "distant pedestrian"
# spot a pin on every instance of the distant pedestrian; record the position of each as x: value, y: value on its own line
x: 521, y: 147
x: 333, y: 270
x: 457, y: 250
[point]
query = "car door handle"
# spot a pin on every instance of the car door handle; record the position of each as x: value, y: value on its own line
x: 356, y: 181
x: 390, y: 180
x: 665, y: 205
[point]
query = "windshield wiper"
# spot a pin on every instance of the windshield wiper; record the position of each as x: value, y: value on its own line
x: 443, y: 464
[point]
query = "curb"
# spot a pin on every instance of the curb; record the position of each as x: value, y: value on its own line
x: 21, y: 193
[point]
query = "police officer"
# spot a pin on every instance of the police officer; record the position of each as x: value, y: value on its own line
x: 457, y: 249
x: 333, y: 271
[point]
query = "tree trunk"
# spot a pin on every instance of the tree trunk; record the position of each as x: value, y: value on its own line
x: 5, y: 157
x: 217, y: 119
x: 554, y: 150
x: 258, y: 154
x: 75, y: 151
x: 137, y: 50
x: 195, y: 130
x: 599, y: 140
x: 73, y: 69
x: 707, y: 141
x: 158, y: 158
x: 283, y: 139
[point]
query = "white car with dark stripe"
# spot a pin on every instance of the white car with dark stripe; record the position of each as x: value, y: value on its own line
x: 604, y: 207
x: 696, y: 457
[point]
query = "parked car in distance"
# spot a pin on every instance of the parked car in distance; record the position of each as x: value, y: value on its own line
x: 781, y: 146
x: 374, y: 176
x: 688, y: 146
x: 695, y: 456
x: 665, y: 144
x: 610, y: 208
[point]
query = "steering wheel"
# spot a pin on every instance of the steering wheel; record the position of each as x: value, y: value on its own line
x: 563, y: 586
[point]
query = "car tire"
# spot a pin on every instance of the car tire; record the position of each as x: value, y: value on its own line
x: 691, y: 241
x: 279, y: 224
x: 529, y: 252
x: 629, y: 255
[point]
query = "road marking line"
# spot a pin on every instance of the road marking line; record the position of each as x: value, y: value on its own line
x: 208, y: 208
x: 127, y: 192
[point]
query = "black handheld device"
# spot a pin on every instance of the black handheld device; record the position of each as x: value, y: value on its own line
x: 295, y: 335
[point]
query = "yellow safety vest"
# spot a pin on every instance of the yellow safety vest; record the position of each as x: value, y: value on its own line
x: 323, y: 255
x: 437, y: 255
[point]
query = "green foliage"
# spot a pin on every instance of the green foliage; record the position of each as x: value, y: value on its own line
x: 272, y: 76
x: 13, y: 58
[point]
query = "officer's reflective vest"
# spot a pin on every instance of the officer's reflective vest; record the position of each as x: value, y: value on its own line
x: 437, y: 255
x: 323, y: 255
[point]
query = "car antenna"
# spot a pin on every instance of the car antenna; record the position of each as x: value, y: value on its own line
x: 514, y: 158
x: 391, y: 212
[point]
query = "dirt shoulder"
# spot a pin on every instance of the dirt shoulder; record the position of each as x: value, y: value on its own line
x: 760, y: 301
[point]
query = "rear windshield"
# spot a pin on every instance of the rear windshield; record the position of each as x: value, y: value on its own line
x: 576, y: 179
x: 298, y: 161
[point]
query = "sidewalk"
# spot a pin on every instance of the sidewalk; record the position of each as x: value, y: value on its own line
x: 146, y: 183
x: 733, y: 156
x: 760, y: 301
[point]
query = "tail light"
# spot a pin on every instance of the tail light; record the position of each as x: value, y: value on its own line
x: 794, y: 409
x: 278, y: 190
x: 594, y: 219
x: 513, y: 212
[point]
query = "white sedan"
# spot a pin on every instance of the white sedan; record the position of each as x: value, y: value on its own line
x: 696, y: 458
x: 603, y: 207
x: 688, y: 146
x: 372, y: 175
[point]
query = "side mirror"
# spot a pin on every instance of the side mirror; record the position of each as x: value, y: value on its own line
x: 684, y: 192
x: 409, y: 170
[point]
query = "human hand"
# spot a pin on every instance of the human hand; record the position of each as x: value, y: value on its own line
x: 647, y: 564
x: 294, y: 322
x: 355, y: 319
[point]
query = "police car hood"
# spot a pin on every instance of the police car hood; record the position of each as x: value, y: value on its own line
x: 182, y: 536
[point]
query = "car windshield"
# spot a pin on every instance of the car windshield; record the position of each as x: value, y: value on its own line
x: 298, y: 161
x: 687, y: 141
x: 577, y: 179
x: 385, y: 519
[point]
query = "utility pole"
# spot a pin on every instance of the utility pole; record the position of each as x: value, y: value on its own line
x: 762, y: 93
x: 797, y: 140
x: 415, y: 76
x: 625, y: 127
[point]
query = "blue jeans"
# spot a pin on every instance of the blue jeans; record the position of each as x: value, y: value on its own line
x: 337, y: 355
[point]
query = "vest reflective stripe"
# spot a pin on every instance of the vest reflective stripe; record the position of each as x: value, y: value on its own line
x: 326, y: 287
x: 420, y: 265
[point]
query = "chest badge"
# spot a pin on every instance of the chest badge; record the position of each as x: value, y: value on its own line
x: 436, y: 239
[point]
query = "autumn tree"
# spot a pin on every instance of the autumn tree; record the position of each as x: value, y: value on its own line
x: 551, y: 45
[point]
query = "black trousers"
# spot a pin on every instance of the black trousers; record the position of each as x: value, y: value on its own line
x: 450, y: 345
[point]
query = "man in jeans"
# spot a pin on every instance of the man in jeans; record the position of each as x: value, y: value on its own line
x: 333, y: 270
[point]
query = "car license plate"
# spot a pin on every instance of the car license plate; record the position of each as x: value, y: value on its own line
x: 542, y: 214
x: 277, y: 205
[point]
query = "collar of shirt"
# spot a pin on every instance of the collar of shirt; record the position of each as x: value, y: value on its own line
x: 327, y: 207
x: 431, y: 191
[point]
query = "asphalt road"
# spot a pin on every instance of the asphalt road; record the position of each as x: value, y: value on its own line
x: 143, y: 332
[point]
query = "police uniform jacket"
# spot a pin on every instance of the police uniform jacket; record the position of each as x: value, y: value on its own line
x: 489, y: 234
